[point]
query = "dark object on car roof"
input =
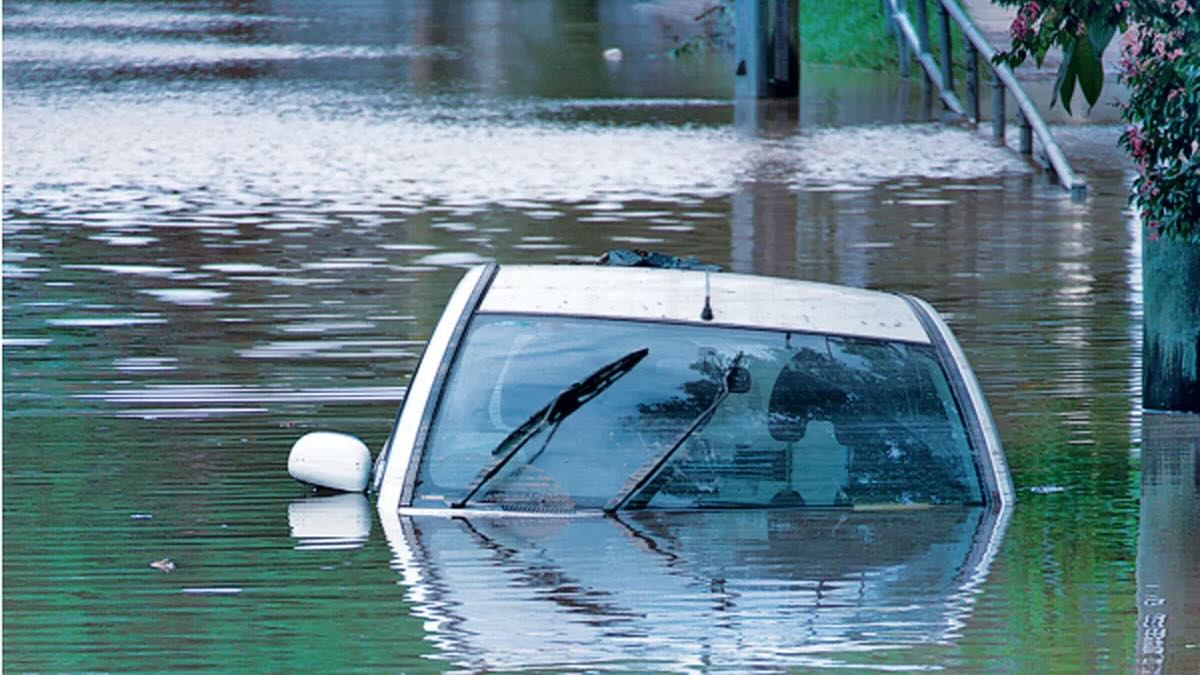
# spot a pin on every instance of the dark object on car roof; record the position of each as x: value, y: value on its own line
x: 636, y: 257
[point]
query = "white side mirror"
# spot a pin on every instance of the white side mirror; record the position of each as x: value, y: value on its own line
x: 330, y: 460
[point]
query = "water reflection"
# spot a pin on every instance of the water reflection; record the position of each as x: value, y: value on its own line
x: 227, y: 223
x: 1168, y: 576
x: 783, y: 588
x: 330, y: 522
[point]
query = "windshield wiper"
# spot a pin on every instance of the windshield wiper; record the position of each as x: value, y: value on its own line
x: 553, y: 413
x: 733, y: 379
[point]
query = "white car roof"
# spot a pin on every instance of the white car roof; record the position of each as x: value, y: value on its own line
x: 678, y: 296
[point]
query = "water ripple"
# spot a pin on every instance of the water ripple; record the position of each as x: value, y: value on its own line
x: 217, y: 393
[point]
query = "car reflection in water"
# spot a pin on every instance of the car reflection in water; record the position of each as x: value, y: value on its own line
x: 741, y: 588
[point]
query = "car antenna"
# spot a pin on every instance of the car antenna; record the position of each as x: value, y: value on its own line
x: 706, y: 314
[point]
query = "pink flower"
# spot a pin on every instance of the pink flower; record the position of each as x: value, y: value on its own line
x: 1128, y: 68
x: 1134, y: 136
x: 1020, y: 30
x: 1151, y: 225
x: 1022, y: 25
x: 1131, y: 49
x: 1160, y: 45
x: 1183, y: 7
x: 1131, y: 43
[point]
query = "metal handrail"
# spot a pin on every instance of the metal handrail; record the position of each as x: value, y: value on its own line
x: 925, y: 58
x: 1002, y: 80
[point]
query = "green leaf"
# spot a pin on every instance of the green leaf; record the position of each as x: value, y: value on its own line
x: 1099, y: 34
x: 1065, y: 82
x: 1086, y: 64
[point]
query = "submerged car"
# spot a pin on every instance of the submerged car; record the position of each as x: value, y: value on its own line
x: 575, y: 389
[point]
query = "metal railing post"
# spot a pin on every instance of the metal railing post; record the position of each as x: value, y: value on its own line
x: 944, y: 44
x: 891, y: 8
x: 972, y: 82
x: 1026, y: 141
x: 998, y: 115
x: 922, y: 51
x: 922, y: 26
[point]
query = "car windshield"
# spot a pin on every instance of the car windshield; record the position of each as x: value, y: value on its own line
x: 734, y: 417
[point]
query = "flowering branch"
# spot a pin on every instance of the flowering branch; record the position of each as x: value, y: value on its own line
x: 1161, y: 64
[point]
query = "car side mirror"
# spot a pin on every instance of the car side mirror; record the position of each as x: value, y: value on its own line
x: 330, y: 460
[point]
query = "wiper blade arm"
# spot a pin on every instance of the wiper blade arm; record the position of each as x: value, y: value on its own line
x: 649, y: 471
x: 558, y: 409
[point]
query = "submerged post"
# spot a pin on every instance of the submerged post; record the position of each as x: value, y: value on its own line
x: 783, y: 75
x: 1026, y: 143
x: 923, y: 26
x: 972, y: 82
x: 767, y: 49
x: 750, y: 53
x: 890, y: 10
x: 944, y: 44
x: 997, y: 109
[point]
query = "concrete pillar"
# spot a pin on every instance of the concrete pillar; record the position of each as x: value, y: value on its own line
x: 767, y: 49
x: 749, y: 49
x: 1171, y: 345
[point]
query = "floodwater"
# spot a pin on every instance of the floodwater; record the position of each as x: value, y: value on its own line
x: 227, y: 224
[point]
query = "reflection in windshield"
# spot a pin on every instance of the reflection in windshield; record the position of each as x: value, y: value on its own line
x: 551, y: 416
x: 818, y: 420
x: 697, y: 590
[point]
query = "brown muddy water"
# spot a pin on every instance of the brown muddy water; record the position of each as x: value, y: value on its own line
x: 226, y: 224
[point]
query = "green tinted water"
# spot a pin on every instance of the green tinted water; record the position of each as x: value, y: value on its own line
x: 225, y: 226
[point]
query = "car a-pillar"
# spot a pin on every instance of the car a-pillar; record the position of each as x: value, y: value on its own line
x: 1171, y: 333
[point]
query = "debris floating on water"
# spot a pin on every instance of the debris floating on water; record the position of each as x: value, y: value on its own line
x: 1047, y: 489
x: 166, y: 565
x: 141, y: 516
x: 636, y: 257
x: 613, y: 54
